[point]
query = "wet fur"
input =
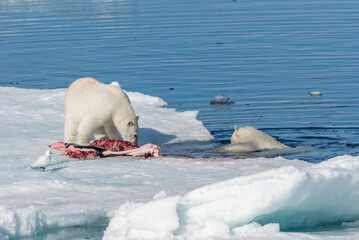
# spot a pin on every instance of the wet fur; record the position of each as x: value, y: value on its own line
x: 249, y: 139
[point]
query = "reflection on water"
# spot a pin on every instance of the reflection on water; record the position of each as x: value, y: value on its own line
x: 265, y: 56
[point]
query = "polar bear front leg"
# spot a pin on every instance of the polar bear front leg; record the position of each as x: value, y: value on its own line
x: 100, y: 134
x: 111, y: 131
x: 85, y: 130
x: 70, y: 129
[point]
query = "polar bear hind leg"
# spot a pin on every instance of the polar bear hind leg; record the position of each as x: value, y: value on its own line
x: 70, y: 129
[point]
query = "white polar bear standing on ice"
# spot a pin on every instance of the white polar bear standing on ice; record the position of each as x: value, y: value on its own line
x: 94, y: 108
x: 249, y: 139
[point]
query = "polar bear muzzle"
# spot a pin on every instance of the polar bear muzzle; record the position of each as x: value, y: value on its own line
x: 132, y: 139
x: 131, y: 133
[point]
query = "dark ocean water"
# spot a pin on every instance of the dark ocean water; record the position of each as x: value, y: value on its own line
x: 265, y: 55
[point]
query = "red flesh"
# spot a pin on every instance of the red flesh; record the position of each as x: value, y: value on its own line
x: 112, y: 146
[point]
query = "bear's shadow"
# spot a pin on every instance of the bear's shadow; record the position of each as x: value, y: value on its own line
x: 149, y: 135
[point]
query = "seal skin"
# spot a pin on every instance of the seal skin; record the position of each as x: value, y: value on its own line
x: 106, y: 148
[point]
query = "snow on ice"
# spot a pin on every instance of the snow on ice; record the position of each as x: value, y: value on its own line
x: 285, y: 198
x: 165, y: 198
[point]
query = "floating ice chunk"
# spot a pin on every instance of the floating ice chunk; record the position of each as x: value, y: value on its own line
x: 221, y: 100
x: 256, y: 228
x: 288, y: 197
x: 352, y: 144
x: 154, y: 220
x: 219, y: 97
x: 315, y: 94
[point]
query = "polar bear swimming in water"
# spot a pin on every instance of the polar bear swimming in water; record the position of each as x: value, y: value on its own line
x: 94, y: 108
x: 249, y: 139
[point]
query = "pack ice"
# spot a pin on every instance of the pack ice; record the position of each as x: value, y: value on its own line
x: 285, y: 198
x: 169, y: 198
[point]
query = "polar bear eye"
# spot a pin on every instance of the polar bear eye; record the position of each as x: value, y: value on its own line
x: 129, y: 124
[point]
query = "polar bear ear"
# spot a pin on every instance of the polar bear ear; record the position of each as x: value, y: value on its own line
x: 235, y: 128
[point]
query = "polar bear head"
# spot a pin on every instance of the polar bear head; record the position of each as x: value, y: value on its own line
x: 241, y: 135
x: 124, y: 117
x: 129, y: 130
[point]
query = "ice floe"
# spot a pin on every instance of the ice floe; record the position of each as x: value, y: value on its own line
x: 176, y: 198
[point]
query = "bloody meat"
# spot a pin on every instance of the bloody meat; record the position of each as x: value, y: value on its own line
x: 107, y: 148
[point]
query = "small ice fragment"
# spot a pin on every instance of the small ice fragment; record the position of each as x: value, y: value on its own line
x: 219, y: 97
x: 315, y: 94
x: 352, y: 144
x: 160, y: 195
x: 221, y: 100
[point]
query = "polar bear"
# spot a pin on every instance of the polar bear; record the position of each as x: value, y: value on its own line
x: 94, y: 108
x: 249, y: 139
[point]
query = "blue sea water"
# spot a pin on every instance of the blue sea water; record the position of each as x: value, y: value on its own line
x: 265, y: 55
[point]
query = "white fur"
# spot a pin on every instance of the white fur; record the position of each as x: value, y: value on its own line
x: 249, y: 139
x: 94, y: 108
x: 43, y: 161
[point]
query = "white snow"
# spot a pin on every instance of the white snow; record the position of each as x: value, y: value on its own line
x: 158, y: 122
x: 290, y: 197
x: 164, y: 198
x: 23, y: 221
x: 154, y: 220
